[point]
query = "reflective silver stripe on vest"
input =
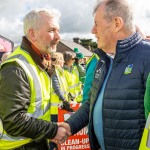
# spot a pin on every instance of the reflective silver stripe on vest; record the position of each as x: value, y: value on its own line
x: 73, y: 86
x: 54, y: 104
x: 147, y: 122
x: 38, y: 112
x: 147, y: 126
x: 65, y: 92
x: 12, y: 138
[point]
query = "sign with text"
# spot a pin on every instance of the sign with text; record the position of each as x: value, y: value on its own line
x: 79, y: 140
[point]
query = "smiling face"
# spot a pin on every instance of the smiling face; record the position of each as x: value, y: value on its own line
x: 47, y: 37
x: 103, y: 31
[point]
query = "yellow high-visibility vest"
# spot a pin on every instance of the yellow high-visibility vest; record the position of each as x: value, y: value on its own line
x: 40, y: 95
x: 63, y: 86
x: 74, y: 84
x: 145, y: 141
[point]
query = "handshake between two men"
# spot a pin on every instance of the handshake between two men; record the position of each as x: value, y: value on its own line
x: 63, y: 132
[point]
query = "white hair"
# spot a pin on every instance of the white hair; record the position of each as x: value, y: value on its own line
x: 118, y: 8
x: 34, y: 18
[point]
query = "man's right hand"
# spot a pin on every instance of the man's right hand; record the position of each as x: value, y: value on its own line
x: 62, y: 133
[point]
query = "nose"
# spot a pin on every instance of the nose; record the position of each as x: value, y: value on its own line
x: 57, y: 35
x: 93, y: 31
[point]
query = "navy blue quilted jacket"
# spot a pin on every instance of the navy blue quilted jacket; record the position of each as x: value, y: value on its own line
x: 123, y: 101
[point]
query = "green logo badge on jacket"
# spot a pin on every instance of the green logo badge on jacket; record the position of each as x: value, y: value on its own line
x: 128, y: 69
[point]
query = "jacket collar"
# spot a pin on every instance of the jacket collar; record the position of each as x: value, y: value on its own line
x: 128, y: 43
x: 42, y: 61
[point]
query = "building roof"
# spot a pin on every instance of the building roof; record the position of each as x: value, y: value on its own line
x: 73, y: 45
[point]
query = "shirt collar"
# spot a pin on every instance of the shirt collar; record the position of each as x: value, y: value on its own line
x: 43, y: 61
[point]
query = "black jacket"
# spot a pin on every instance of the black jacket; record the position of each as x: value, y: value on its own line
x: 123, y: 101
x: 15, y: 99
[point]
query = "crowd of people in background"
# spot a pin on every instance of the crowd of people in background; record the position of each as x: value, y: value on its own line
x: 113, y: 85
x: 67, y: 87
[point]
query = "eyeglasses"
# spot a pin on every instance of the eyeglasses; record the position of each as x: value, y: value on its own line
x: 53, y: 59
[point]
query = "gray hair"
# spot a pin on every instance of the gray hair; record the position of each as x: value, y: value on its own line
x: 34, y: 18
x: 118, y: 8
x: 68, y: 55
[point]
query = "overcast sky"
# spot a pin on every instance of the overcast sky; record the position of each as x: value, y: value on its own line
x: 76, y: 20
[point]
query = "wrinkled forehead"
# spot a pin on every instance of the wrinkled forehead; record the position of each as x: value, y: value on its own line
x: 100, y: 12
x: 52, y: 21
x: 55, y: 22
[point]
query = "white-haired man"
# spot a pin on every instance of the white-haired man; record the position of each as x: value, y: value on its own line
x: 25, y: 86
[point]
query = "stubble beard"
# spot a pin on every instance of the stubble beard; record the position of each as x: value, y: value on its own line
x: 51, y: 50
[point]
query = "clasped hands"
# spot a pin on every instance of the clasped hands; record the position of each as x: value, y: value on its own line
x: 62, y: 133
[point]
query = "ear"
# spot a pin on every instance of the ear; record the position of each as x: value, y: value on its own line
x: 32, y: 34
x: 118, y: 24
